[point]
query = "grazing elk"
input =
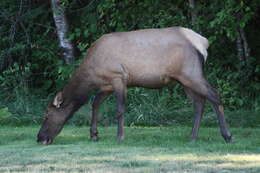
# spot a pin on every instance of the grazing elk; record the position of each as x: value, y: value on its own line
x: 149, y: 58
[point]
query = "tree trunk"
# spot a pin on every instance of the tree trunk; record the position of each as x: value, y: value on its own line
x: 192, y: 11
x: 245, y: 43
x: 243, y: 51
x: 240, y: 50
x: 62, y: 28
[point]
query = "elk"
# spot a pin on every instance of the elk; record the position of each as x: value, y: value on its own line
x: 149, y: 58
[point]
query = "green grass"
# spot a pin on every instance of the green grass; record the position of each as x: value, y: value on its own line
x: 165, y: 149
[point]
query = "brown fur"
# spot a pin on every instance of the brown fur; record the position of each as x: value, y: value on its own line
x: 151, y: 58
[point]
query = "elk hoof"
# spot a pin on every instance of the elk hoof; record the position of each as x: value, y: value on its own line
x: 94, y: 138
x: 120, y: 138
x: 192, y: 139
x: 229, y: 139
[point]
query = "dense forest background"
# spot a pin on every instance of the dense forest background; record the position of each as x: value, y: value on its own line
x: 33, y: 68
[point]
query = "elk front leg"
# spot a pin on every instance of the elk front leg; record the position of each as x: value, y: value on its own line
x: 120, y: 91
x: 100, y: 97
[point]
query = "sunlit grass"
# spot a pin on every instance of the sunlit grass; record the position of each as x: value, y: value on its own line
x: 154, y: 149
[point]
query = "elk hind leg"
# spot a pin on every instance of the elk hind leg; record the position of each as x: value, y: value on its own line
x: 202, y: 87
x: 199, y: 103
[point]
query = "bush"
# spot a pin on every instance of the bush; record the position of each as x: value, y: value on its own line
x: 32, y: 70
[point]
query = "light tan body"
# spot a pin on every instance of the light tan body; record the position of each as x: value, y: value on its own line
x: 147, y: 58
x: 151, y: 58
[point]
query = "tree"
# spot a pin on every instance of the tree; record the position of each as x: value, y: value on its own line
x: 58, y: 7
x: 192, y: 11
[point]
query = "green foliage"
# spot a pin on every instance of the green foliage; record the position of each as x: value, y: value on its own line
x: 4, y: 113
x: 32, y: 69
x: 16, y: 79
x: 232, y: 15
x: 155, y: 107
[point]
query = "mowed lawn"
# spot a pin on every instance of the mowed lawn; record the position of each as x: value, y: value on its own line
x: 151, y: 149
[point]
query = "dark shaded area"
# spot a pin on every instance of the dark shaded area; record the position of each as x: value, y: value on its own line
x: 32, y: 69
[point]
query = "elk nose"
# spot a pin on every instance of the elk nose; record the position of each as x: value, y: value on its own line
x: 47, y: 141
x: 44, y: 140
x: 41, y: 138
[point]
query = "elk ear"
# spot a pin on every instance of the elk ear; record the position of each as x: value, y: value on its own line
x: 58, y: 100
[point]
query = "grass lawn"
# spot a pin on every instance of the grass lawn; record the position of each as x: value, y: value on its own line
x: 155, y: 149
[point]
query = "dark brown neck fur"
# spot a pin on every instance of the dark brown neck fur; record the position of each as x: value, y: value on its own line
x: 76, y: 91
